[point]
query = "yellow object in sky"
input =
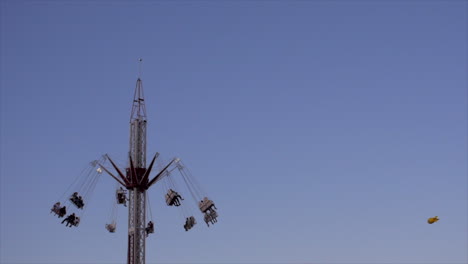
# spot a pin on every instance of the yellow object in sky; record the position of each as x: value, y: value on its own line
x: 432, y: 220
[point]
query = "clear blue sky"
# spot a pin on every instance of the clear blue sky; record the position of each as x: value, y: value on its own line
x: 325, y: 131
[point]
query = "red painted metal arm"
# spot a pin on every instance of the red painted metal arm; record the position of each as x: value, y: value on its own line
x: 123, y: 184
x: 118, y: 171
x: 157, y: 177
x: 148, y: 171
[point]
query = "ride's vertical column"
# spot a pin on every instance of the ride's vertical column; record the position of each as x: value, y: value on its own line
x: 137, y: 205
x: 131, y: 229
x: 140, y: 225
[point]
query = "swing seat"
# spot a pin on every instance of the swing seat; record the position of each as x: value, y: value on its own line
x: 170, y: 197
x: 77, y: 201
x: 111, y: 227
x: 189, y: 223
x: 205, y: 205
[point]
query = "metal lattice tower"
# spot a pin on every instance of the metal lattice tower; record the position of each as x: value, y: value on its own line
x: 137, y: 153
x: 136, y: 178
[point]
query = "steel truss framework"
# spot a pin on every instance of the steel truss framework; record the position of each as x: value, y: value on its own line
x: 136, y: 178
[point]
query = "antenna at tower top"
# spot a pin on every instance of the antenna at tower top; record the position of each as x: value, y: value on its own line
x: 140, y: 62
x: 138, y: 108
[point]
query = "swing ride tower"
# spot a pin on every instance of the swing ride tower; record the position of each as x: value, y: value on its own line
x: 137, y: 196
x: 136, y: 178
x: 134, y: 183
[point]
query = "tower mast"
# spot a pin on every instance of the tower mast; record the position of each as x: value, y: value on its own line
x: 137, y: 177
x: 137, y: 196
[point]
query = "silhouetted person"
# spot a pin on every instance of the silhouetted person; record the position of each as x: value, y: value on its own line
x: 149, y: 228
x: 63, y: 211
x: 70, y: 219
